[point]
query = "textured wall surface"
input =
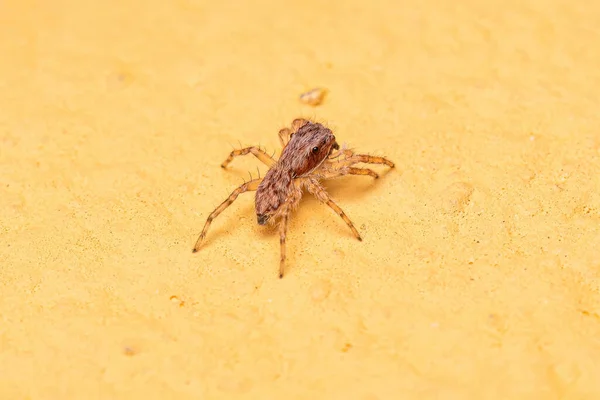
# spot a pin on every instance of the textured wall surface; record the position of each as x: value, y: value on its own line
x: 478, y: 276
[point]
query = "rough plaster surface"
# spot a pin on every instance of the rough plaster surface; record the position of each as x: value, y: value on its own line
x: 478, y: 273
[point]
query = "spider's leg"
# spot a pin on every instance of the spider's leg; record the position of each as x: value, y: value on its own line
x: 298, y: 123
x: 367, y: 159
x: 246, y: 187
x: 351, y: 159
x: 283, y: 224
x: 259, y: 153
x: 319, y: 192
x: 340, y: 170
x: 285, y: 134
x: 362, y: 171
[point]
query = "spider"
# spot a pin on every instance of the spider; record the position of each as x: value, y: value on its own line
x: 310, y: 154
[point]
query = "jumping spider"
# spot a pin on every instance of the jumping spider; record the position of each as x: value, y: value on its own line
x: 310, y: 154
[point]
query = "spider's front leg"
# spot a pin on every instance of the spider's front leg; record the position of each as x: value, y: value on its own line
x: 340, y: 170
x: 246, y: 187
x: 367, y: 159
x: 257, y: 152
x: 363, y: 171
x: 336, y: 166
x: 350, y: 158
x: 319, y: 192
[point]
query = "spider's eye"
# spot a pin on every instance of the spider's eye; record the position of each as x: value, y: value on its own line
x: 315, y: 150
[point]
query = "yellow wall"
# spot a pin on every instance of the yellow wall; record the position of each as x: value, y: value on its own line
x: 478, y: 274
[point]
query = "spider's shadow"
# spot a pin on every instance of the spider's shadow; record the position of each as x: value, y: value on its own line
x: 343, y: 190
x: 349, y: 187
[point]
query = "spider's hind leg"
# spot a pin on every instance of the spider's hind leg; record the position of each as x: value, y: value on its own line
x: 285, y: 134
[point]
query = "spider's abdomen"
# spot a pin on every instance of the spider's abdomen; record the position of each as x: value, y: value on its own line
x: 271, y: 194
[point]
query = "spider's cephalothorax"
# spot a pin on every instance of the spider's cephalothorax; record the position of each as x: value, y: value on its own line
x: 310, y: 154
x: 307, y: 150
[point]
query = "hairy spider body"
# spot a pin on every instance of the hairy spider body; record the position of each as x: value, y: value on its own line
x: 310, y: 154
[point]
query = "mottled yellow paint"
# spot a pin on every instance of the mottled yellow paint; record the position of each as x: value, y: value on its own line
x: 478, y: 276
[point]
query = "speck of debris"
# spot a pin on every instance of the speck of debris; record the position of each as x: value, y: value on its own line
x: 130, y: 351
x: 313, y: 97
x: 177, y: 301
